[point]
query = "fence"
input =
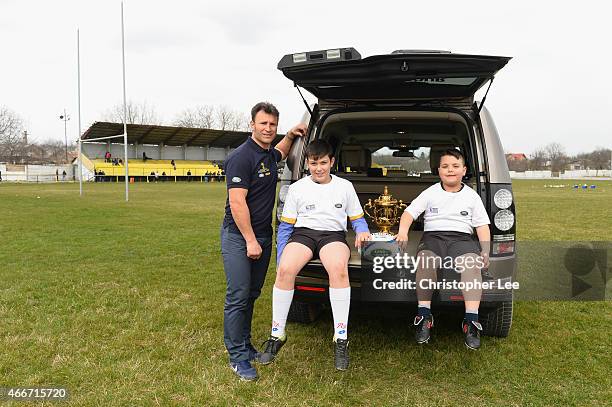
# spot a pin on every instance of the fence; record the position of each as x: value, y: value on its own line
x: 575, y: 174
x: 36, y: 173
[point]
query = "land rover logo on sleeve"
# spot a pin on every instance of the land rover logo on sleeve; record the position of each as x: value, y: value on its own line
x: 464, y: 213
x: 236, y: 179
x: 338, y: 205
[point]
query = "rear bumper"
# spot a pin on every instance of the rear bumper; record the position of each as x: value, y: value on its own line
x: 312, y: 285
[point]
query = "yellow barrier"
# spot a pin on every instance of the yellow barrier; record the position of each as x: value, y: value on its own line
x: 139, y: 168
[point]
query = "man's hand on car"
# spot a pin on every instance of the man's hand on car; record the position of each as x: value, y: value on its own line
x: 297, y: 131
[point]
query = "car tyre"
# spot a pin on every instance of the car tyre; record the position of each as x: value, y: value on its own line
x: 303, y: 312
x: 497, y: 321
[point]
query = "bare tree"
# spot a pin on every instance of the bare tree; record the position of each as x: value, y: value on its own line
x: 556, y: 155
x: 137, y: 113
x: 213, y: 117
x: 242, y: 122
x: 53, y: 151
x: 228, y: 119
x: 601, y: 158
x: 537, y: 159
x: 225, y: 118
x: 201, y: 117
x: 10, y: 122
x: 12, y: 139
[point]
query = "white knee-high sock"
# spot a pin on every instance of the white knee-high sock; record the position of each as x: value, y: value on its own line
x: 340, y: 299
x: 281, y: 301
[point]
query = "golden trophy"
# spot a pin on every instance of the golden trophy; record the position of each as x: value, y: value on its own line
x: 386, y: 212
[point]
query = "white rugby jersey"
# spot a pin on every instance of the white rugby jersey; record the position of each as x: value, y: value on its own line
x: 321, y: 206
x: 449, y: 211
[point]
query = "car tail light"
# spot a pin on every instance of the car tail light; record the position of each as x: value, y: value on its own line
x: 503, y: 219
x: 308, y: 288
x: 503, y: 248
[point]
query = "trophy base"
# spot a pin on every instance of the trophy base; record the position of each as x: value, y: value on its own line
x: 381, y: 244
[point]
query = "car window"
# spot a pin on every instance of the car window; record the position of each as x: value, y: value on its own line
x: 414, y: 166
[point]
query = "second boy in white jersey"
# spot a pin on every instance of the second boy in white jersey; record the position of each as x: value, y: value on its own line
x: 314, y: 224
x: 452, y: 211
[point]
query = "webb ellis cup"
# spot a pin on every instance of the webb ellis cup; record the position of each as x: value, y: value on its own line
x: 385, y: 211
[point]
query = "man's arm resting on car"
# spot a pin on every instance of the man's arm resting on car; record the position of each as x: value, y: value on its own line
x: 285, y: 144
x: 242, y: 217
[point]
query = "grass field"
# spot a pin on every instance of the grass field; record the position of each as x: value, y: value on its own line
x: 122, y: 304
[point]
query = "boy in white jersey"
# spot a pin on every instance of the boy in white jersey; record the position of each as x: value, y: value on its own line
x: 313, y: 224
x: 452, y: 211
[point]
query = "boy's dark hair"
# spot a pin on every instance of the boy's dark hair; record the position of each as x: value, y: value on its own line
x: 265, y: 107
x: 319, y: 149
x: 452, y: 152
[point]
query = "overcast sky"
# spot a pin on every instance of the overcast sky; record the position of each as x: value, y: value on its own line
x: 181, y: 54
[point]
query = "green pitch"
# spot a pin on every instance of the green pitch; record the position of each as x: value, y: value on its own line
x: 122, y: 304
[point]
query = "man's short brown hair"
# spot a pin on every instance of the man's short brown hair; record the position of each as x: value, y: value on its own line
x: 265, y: 107
x: 318, y: 149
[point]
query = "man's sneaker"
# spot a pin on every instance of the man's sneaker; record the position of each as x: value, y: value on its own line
x: 341, y: 354
x: 271, y: 348
x: 244, y: 370
x: 423, y: 328
x: 471, y: 332
x: 254, y: 354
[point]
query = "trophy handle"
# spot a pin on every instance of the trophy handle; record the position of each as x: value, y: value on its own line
x: 365, y: 208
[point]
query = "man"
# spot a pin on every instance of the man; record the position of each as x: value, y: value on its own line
x: 314, y: 217
x: 452, y: 211
x: 246, y: 235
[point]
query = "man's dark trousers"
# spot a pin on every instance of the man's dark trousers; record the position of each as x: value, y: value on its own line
x: 245, y: 277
